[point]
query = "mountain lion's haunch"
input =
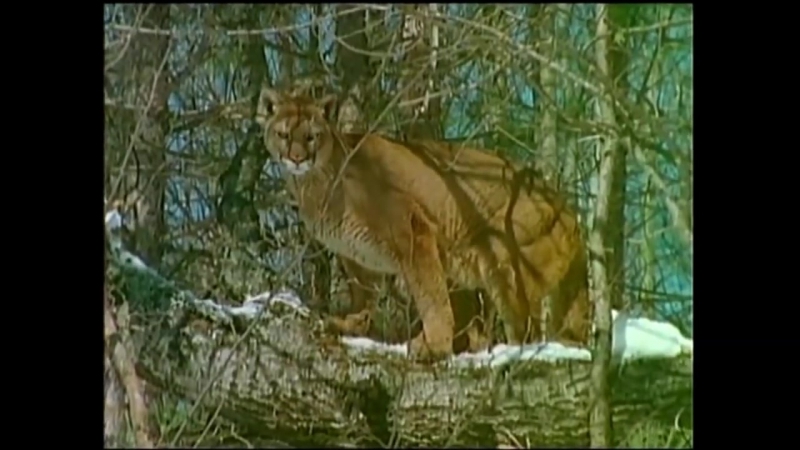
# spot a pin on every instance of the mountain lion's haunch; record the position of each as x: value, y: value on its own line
x: 430, y: 212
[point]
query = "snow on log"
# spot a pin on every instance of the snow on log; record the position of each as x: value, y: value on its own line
x: 269, y: 367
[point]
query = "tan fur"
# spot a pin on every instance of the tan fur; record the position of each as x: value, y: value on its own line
x: 397, y: 322
x: 430, y: 212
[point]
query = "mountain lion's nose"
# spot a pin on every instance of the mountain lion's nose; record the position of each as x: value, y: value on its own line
x: 295, y: 156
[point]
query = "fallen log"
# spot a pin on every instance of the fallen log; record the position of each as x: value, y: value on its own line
x: 269, y: 367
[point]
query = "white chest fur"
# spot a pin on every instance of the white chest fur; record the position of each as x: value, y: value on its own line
x: 341, y: 232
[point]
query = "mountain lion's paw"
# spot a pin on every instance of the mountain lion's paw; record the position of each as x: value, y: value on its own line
x: 351, y: 325
x: 430, y: 351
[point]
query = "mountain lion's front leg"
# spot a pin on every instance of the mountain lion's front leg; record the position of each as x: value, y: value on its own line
x: 365, y: 287
x: 427, y: 284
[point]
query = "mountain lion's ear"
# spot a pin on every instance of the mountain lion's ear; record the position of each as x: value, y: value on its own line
x: 328, y: 105
x: 268, y: 102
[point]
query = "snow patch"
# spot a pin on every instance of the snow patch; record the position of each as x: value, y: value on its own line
x: 253, y: 306
x: 634, y: 338
x: 113, y: 220
x: 639, y: 338
x: 369, y: 345
x: 129, y: 259
x: 502, y: 354
x: 114, y: 223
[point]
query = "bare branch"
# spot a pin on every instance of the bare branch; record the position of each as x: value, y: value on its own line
x: 236, y: 33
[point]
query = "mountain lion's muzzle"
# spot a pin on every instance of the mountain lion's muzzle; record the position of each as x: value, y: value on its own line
x: 298, y: 160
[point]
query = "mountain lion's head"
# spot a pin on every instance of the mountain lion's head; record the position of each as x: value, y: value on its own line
x: 296, y: 129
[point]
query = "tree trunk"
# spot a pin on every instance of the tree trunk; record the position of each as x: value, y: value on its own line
x: 149, y: 65
x: 354, y: 65
x: 614, y: 232
x: 422, y: 117
x: 548, y: 159
x: 236, y: 210
x: 599, y: 394
x: 353, y: 68
x: 122, y: 365
x: 546, y: 138
x: 279, y: 376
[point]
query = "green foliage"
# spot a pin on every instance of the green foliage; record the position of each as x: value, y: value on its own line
x: 655, y: 435
x: 145, y: 293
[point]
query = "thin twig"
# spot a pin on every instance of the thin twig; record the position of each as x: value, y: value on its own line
x: 137, y: 128
x: 234, y: 33
x: 127, y: 39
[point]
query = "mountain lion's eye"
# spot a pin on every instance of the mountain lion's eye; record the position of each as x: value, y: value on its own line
x: 312, y: 137
x: 282, y: 135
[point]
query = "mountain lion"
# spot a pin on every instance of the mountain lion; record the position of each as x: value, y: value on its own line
x: 432, y: 212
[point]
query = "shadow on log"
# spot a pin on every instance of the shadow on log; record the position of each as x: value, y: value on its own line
x: 277, y: 375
